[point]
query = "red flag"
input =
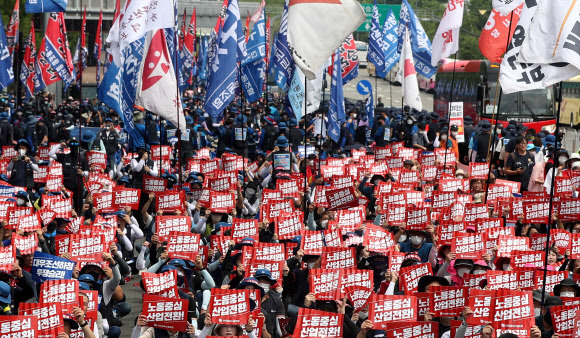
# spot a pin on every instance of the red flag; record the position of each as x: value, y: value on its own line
x: 494, y: 36
x: 183, y: 31
x: 28, y: 73
x: 267, y: 42
x: 13, y: 27
x: 98, y: 46
x: 247, y: 27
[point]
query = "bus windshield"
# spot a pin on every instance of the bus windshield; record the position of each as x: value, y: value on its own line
x: 531, y: 103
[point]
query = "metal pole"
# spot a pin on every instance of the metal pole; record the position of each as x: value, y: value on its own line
x: 448, y: 112
x: 304, y: 128
x: 18, y: 69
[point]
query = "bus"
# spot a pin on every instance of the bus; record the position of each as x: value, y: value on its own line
x: 475, y: 83
x: 361, y: 51
x: 570, y: 110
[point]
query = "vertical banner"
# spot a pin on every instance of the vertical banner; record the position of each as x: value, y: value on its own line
x: 456, y: 118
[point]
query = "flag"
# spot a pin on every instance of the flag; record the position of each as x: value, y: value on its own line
x: 56, y: 51
x: 247, y: 27
x: 187, y: 53
x: 98, y: 46
x: 419, y: 40
x: 336, y: 114
x: 80, y: 57
x: 446, y: 40
x: 296, y: 94
x: 313, y: 92
x: 555, y: 29
x: 137, y: 18
x: 258, y: 12
x: 6, y: 73
x: 202, y: 60
x: 376, y: 51
x: 13, y: 28
x: 515, y: 76
x: 28, y: 69
x: 282, y: 62
x: 254, y: 65
x: 496, y: 32
x: 45, y: 6
x: 317, y: 28
x: 223, y: 70
x: 390, y: 37
x: 182, y: 30
x: 504, y: 7
x: 370, y: 108
x: 408, y: 76
x: 268, y: 40
x: 157, y: 88
x: 349, y: 60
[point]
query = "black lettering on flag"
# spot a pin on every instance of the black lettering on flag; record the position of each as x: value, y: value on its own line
x: 573, y: 40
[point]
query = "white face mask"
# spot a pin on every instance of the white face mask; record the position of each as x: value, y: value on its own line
x: 444, y: 137
x: 479, y: 272
x: 20, y: 201
x: 416, y: 240
x: 462, y: 271
x: 310, y: 265
x: 324, y: 223
x: 567, y: 294
x: 363, y: 315
x: 562, y: 159
x: 265, y: 286
x: 537, y: 311
x: 402, y: 238
x: 409, y: 122
x: 22, y: 152
x: 505, y: 266
x: 453, y: 133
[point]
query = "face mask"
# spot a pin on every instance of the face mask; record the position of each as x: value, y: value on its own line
x: 402, y: 238
x: 416, y: 240
x: 250, y: 191
x: 453, y: 133
x: 20, y: 201
x: 324, y: 223
x: 409, y: 122
x: 562, y: 159
x: 424, y: 132
x: 310, y: 265
x: 265, y: 286
x: 567, y: 294
x: 505, y: 266
x: 22, y: 152
x: 444, y: 137
x: 462, y: 271
x: 363, y: 315
x: 537, y: 311
x: 479, y: 272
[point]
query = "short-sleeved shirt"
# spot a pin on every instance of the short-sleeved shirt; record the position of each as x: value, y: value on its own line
x: 516, y: 161
x: 423, y: 251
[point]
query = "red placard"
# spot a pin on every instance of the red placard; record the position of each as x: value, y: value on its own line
x: 512, y: 305
x: 377, y: 239
x: 418, y: 217
x: 468, y: 245
x: 497, y: 280
x: 50, y: 321
x: 83, y: 245
x: 318, y: 324
x: 170, y: 201
x: 97, y: 159
x: 358, y: 296
x: 553, y: 278
x: 412, y: 330
x: 564, y: 319
x: 569, y: 210
x: 288, y: 225
x: 26, y: 244
x: 338, y: 258
x: 229, y: 306
x: 410, y: 276
x: 242, y: 228
x: 7, y: 258
x: 478, y: 171
x: 269, y: 252
x: 480, y: 303
x: 154, y: 184
x: 355, y: 277
x: 124, y: 197
x: 561, y: 239
x: 222, y: 202
x: 14, y: 214
x: 507, y: 244
x: 166, y: 224
x: 18, y: 326
x: 103, y: 202
x: 312, y: 242
x: 165, y: 313
x: 324, y: 283
x: 519, y: 258
x: 575, y: 246
x: 536, y: 212
x: 447, y: 301
x: 161, y: 284
x: 275, y: 268
x: 63, y: 291
x: 184, y: 245
x: 341, y: 198
x: 29, y: 223
x: 385, y: 309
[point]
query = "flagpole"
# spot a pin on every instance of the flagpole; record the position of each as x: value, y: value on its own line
x: 178, y: 99
x: 80, y: 83
x: 391, y: 87
x: 448, y: 112
x: 376, y: 88
x: 17, y: 63
x: 304, y: 155
x: 556, y: 149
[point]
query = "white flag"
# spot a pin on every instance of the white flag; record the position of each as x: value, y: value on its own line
x: 446, y: 40
x: 157, y: 88
x: 515, y: 76
x: 506, y: 6
x: 136, y: 19
x: 554, y: 34
x: 407, y: 75
x: 316, y: 28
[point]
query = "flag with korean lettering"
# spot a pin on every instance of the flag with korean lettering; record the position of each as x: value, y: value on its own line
x: 184, y: 245
x: 412, y: 329
x: 13, y: 29
x: 519, y: 75
x: 253, y: 67
x: 229, y: 306
x: 223, y: 68
x: 49, y: 267
x: 282, y: 62
x: 385, y: 309
x: 420, y: 43
x: 45, y: 6
x: 349, y: 60
x: 390, y: 37
x: 6, y: 72
x: 28, y: 75
x: 57, y: 52
x: 324, y: 283
x: 494, y: 37
x: 316, y: 324
x: 376, y: 49
x: 161, y: 284
x: 19, y: 326
x: 64, y: 291
x: 446, y: 40
x: 165, y: 313
x: 410, y: 275
x: 447, y: 301
x: 50, y: 320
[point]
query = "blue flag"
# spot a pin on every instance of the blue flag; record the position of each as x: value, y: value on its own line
x: 223, y: 68
x: 254, y: 65
x: 376, y: 52
x: 390, y: 37
x: 282, y: 62
x: 336, y: 114
x: 45, y: 6
x: 202, y: 59
x: 6, y: 73
x: 119, y: 86
x: 370, y: 108
x: 420, y: 43
x: 48, y: 267
x: 296, y: 94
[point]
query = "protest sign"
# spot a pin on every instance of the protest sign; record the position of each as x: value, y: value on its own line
x: 62, y: 291
x: 385, y: 309
x: 337, y: 258
x: 166, y: 224
x: 316, y: 324
x: 287, y: 225
x: 170, y: 201
x: 50, y: 320
x: 358, y: 296
x: 312, y: 242
x: 48, y: 267
x: 447, y: 301
x: 242, y: 228
x: 27, y: 245
x: 468, y: 245
x: 161, y: 284
x: 355, y: 277
x: 269, y: 252
x: 18, y: 326
x: 165, y: 313
x: 563, y: 319
x: 412, y: 329
x: 497, y: 279
x: 507, y: 244
x: 229, y: 306
x: 83, y: 245
x: 324, y: 283
x: 153, y: 184
x: 410, y: 275
x: 519, y: 258
x: 511, y: 305
x: 275, y: 268
x: 184, y: 245
x: 7, y: 258
x: 377, y: 239
x: 478, y: 170
x: 343, y: 198
x: 480, y: 303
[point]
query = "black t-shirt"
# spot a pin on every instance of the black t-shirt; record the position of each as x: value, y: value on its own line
x: 515, y: 161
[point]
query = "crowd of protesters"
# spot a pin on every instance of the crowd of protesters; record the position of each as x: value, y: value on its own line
x: 410, y: 188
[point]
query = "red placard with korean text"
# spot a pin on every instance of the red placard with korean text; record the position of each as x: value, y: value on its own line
x: 63, y: 291
x: 377, y: 239
x: 468, y: 245
x: 385, y: 309
x: 184, y: 245
x: 229, y: 306
x: 412, y: 330
x: 50, y: 320
x: 447, y: 301
x: 507, y: 244
x: 166, y: 224
x: 165, y: 313
x: 154, y: 184
x: 18, y: 326
x: 170, y: 201
x: 410, y: 275
x: 324, y: 283
x: 161, y: 284
x: 563, y: 319
x: 338, y: 258
x: 288, y: 225
x: 26, y: 244
x: 343, y: 198
x: 312, y: 242
x: 480, y: 303
x: 519, y: 258
x: 7, y: 258
x: 242, y: 228
x: 318, y: 324
x: 222, y: 202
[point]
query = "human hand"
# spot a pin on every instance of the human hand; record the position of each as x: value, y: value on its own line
x: 309, y: 300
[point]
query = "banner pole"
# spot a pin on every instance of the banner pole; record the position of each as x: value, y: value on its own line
x: 449, y: 112
x: 304, y: 155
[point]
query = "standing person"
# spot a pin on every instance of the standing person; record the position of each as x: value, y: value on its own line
x: 520, y: 163
x: 22, y: 166
x: 141, y: 165
x: 296, y: 134
x: 6, y: 130
x: 420, y: 139
x: 483, y: 142
x: 73, y: 170
x: 281, y: 159
x: 110, y: 138
x: 434, y: 127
